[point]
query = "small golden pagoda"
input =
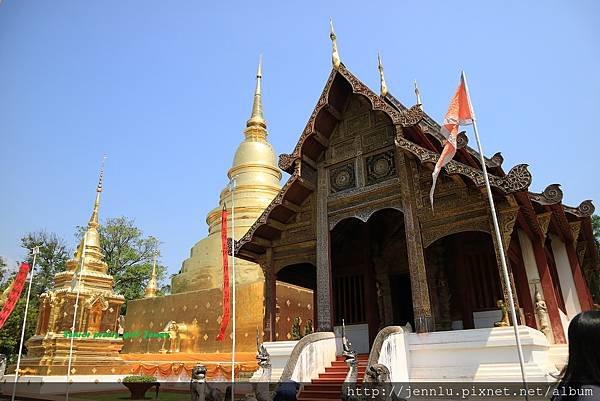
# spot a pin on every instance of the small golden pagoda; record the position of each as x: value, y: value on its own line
x: 96, y: 342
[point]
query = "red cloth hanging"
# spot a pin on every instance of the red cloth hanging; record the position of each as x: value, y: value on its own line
x: 15, y: 293
x: 225, y: 253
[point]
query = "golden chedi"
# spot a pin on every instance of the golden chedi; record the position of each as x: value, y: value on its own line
x: 191, y: 314
x: 257, y: 182
x: 96, y: 343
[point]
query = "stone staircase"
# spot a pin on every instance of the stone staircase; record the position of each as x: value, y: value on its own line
x: 328, y: 386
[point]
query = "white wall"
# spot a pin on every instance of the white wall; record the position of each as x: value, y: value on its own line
x: 531, y: 268
x: 567, y: 284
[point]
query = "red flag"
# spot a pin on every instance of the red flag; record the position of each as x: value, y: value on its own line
x: 15, y: 293
x: 459, y: 113
x: 226, y: 306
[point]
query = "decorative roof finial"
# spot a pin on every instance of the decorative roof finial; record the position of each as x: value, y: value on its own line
x: 257, y: 119
x: 152, y: 287
x: 383, y: 86
x: 335, y: 56
x: 418, y: 94
x: 94, y: 218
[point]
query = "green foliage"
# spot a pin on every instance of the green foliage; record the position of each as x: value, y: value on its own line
x: 52, y: 259
x: 129, y: 255
x: 596, y: 227
x: 139, y: 379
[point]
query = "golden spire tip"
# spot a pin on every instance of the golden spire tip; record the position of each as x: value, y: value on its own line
x: 335, y: 56
x: 257, y: 119
x: 101, y: 175
x: 383, y: 86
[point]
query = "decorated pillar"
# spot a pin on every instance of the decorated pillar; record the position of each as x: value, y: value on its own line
x: 583, y: 292
x: 270, y: 295
x: 566, y: 277
x: 534, y: 281
x: 324, y: 300
x: 506, y: 221
x: 414, y: 244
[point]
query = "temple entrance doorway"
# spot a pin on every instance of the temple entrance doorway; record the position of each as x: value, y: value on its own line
x: 295, y: 290
x: 370, y: 276
x: 464, y: 282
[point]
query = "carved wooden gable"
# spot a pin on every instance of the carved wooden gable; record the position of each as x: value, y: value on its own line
x: 361, y: 149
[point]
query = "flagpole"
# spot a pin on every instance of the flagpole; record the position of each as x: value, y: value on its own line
x: 35, y: 251
x: 233, y: 185
x: 78, y: 283
x: 511, y: 303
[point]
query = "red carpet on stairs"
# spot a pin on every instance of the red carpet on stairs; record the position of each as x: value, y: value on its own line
x: 328, y: 386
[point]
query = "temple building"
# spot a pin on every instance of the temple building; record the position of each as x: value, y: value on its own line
x: 96, y: 342
x: 355, y: 217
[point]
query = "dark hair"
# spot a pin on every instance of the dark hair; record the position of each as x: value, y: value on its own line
x: 583, y: 366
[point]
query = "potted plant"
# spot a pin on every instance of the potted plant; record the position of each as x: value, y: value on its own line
x: 139, y: 384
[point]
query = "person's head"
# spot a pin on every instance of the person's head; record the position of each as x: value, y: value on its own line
x: 584, y: 349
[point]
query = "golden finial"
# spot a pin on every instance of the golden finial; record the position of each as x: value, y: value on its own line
x: 335, y: 56
x: 257, y: 119
x: 94, y: 219
x: 152, y: 287
x: 383, y: 86
x: 418, y: 94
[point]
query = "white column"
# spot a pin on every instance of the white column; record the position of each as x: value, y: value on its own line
x: 567, y: 284
x: 531, y: 269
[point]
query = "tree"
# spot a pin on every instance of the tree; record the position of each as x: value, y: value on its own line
x: 52, y: 259
x: 10, y: 335
x: 129, y: 255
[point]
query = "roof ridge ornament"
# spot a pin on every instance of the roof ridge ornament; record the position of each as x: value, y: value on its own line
x: 418, y: 95
x: 335, y: 56
x: 383, y: 89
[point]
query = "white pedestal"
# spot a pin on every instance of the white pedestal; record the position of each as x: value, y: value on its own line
x: 479, y: 355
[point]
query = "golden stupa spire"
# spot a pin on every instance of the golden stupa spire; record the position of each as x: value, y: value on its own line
x: 152, y: 287
x: 335, y: 56
x: 418, y: 95
x: 257, y: 119
x: 94, y: 218
x: 91, y: 237
x: 383, y: 86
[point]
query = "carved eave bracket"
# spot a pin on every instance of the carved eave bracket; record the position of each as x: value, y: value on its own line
x: 585, y: 209
x: 506, y: 221
x: 575, y: 228
x: 518, y: 178
x: 544, y: 222
x: 550, y: 196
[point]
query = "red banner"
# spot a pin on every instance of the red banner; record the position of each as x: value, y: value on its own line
x: 225, y: 253
x: 15, y: 293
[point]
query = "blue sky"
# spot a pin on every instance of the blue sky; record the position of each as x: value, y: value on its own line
x: 164, y: 89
